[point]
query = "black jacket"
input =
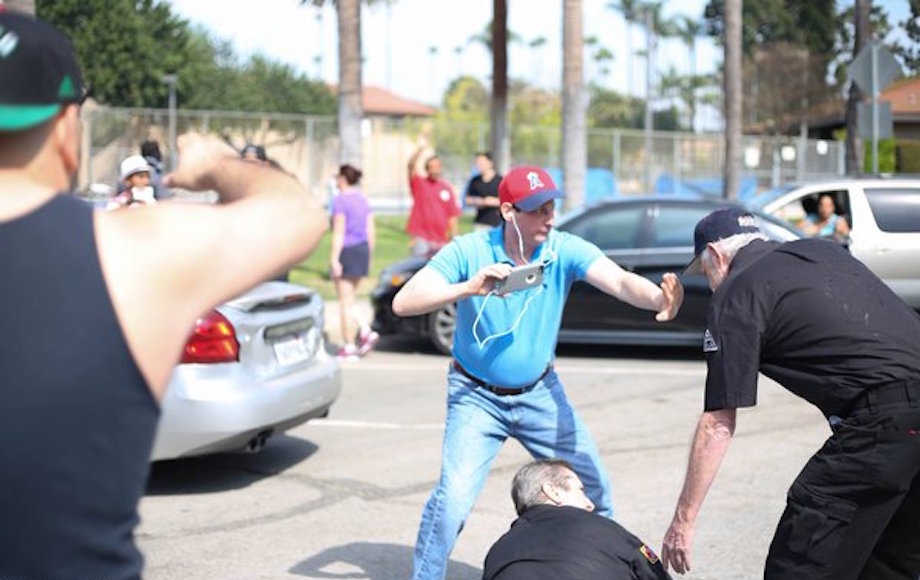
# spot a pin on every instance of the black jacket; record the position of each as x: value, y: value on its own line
x: 567, y: 543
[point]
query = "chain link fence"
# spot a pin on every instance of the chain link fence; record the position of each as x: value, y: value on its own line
x: 620, y: 161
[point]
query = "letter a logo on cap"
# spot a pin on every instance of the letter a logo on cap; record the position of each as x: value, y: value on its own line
x: 534, y: 180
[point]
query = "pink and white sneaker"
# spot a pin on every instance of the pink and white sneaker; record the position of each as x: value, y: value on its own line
x: 348, y: 353
x: 367, y: 342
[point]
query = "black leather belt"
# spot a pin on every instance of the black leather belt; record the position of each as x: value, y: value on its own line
x: 900, y: 392
x: 498, y: 390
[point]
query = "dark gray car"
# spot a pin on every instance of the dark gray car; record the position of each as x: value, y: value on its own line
x: 645, y: 235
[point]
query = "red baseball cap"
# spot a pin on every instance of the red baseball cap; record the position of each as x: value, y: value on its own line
x: 527, y: 188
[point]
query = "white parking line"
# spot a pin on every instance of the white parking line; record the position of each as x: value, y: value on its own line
x: 374, y: 425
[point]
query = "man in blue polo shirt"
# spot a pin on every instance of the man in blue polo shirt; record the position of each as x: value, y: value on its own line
x: 501, y: 382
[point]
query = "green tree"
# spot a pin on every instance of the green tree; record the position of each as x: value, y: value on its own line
x: 684, y: 88
x: 910, y: 53
x: 124, y: 47
x: 466, y: 101
x: 788, y: 52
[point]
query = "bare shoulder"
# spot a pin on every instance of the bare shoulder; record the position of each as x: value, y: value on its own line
x: 155, y: 268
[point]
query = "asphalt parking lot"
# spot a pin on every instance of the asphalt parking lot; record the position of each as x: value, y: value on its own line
x: 341, y: 497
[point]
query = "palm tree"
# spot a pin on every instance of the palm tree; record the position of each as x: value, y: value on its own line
x: 689, y: 29
x: 501, y: 137
x: 433, y: 53
x: 536, y: 45
x: 602, y: 58
x: 458, y: 53
x: 631, y: 11
x: 351, y: 108
x: 733, y: 95
x: 574, y: 105
x: 495, y: 38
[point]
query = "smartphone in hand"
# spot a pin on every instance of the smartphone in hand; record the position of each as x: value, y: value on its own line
x: 520, y: 278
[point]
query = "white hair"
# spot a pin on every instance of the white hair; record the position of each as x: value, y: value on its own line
x: 729, y: 246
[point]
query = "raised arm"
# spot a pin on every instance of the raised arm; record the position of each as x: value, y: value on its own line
x: 710, y: 442
x: 607, y: 276
x: 166, y: 265
x: 413, y: 169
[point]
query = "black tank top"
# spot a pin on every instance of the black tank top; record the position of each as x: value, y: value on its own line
x: 77, y: 419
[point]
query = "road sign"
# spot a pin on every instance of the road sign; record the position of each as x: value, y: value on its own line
x: 874, y: 60
x: 864, y: 120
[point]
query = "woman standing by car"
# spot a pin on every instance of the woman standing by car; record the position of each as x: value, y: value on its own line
x: 353, y: 237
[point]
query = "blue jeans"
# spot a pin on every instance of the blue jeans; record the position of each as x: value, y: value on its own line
x: 478, y: 423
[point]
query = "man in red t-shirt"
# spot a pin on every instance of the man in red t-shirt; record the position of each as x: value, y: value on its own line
x: 433, y: 220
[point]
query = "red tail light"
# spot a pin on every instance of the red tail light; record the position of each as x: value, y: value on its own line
x: 212, y: 341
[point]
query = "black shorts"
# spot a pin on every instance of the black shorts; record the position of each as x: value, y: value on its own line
x: 355, y: 260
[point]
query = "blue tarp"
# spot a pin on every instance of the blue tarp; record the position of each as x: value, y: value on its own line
x: 709, y: 187
x: 600, y: 183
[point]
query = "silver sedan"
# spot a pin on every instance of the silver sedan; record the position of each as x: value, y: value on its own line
x: 254, y: 367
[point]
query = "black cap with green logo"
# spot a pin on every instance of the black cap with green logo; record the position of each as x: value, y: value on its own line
x: 38, y: 71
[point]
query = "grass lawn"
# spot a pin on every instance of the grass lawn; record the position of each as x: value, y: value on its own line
x: 392, y: 246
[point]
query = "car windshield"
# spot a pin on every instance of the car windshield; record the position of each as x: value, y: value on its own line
x: 761, y: 200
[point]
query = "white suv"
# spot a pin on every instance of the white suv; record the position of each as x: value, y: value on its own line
x: 884, y: 217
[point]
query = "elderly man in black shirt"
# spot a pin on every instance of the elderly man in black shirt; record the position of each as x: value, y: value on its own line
x: 817, y: 321
x: 557, y: 537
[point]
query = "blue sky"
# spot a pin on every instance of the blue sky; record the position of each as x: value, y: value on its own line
x: 397, y: 47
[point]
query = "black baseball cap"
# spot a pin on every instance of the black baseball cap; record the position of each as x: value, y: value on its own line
x: 38, y: 71
x: 719, y: 224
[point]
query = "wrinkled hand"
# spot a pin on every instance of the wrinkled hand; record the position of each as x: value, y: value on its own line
x: 676, y: 548
x: 673, y: 296
x: 200, y: 157
x: 484, y: 280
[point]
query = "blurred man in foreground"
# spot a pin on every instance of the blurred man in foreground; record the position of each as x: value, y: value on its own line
x: 96, y: 306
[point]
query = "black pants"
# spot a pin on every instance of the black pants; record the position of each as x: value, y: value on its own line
x: 854, y: 510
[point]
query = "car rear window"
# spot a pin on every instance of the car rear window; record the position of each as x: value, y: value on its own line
x: 674, y: 226
x: 610, y: 229
x: 895, y: 210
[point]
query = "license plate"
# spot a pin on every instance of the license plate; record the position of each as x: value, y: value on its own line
x: 292, y: 350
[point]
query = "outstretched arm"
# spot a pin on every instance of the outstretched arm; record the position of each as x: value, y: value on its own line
x: 604, y: 274
x: 713, y: 434
x: 427, y: 290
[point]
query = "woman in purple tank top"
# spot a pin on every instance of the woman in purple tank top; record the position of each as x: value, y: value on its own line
x: 352, y: 244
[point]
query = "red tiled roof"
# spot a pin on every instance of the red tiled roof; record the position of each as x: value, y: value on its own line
x: 379, y: 101
x: 904, y: 97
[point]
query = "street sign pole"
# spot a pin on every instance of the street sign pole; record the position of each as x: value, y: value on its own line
x: 875, y: 94
x: 873, y: 69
